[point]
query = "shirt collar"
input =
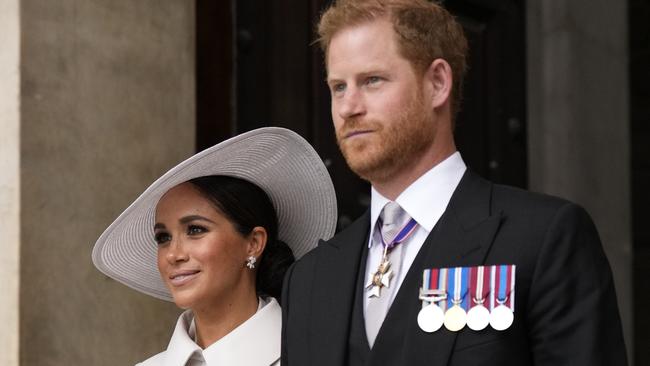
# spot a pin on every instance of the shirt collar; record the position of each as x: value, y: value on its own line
x: 426, y: 199
x: 261, y: 333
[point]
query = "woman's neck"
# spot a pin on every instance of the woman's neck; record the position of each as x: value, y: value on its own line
x: 216, y: 320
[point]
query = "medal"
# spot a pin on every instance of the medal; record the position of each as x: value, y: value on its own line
x: 478, y: 316
x: 502, y: 316
x: 431, y: 316
x: 455, y: 316
x: 382, y: 276
x: 472, y: 296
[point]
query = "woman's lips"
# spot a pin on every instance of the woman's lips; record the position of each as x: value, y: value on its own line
x: 182, y: 277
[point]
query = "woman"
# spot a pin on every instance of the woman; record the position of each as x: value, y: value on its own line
x: 210, y: 235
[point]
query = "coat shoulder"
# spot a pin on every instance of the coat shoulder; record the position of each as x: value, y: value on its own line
x: 513, y: 200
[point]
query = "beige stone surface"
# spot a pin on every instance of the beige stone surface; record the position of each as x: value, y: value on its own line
x: 107, y: 107
x: 9, y: 180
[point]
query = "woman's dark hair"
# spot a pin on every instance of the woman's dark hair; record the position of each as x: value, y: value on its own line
x: 247, y: 206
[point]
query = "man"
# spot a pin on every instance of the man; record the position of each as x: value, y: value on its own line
x: 366, y: 297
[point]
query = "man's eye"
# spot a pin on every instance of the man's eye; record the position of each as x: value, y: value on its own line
x: 195, y: 230
x: 373, y: 80
x: 338, y: 88
x: 162, y: 238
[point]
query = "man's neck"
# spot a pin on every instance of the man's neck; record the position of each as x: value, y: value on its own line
x: 400, y: 180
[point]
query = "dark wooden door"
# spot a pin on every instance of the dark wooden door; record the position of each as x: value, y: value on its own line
x: 491, y: 127
x: 278, y: 79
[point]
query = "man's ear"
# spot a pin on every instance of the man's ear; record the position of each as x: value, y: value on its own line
x: 439, y: 77
x: 257, y: 241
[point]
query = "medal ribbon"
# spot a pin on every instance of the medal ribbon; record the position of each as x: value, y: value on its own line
x: 504, y: 280
x: 442, y: 285
x: 403, y: 234
x: 479, y: 286
x: 433, y: 285
x: 458, y: 281
x: 431, y: 292
x: 493, y: 284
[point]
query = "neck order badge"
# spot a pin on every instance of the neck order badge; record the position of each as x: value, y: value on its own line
x: 457, y: 297
x: 382, y: 276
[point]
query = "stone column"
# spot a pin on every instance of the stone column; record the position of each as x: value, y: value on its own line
x: 107, y: 105
x: 578, y: 120
x: 9, y: 180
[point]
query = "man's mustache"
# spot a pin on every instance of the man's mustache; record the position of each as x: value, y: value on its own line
x: 353, y: 125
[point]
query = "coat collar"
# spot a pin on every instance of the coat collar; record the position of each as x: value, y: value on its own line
x: 254, y: 342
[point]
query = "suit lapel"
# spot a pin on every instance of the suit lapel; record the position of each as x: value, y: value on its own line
x: 465, y: 232
x: 462, y: 237
x: 334, y: 288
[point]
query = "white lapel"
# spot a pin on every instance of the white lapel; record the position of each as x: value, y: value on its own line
x: 256, y: 342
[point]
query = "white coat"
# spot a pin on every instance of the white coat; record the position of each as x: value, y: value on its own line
x: 256, y: 342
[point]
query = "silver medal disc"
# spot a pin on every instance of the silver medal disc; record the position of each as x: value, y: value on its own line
x: 455, y: 318
x: 430, y: 318
x: 478, y: 317
x: 501, y: 317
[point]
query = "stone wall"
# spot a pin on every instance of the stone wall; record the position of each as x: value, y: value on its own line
x: 107, y: 105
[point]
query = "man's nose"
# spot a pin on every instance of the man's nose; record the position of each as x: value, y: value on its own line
x: 351, y: 104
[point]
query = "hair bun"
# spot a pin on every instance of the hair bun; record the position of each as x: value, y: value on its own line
x: 276, y: 259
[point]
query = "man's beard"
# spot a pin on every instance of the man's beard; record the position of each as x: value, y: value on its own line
x: 395, y: 146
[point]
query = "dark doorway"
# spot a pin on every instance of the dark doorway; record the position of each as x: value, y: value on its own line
x: 279, y: 80
x: 639, y: 39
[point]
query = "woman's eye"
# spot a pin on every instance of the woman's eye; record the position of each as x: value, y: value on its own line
x: 195, y: 230
x: 162, y: 238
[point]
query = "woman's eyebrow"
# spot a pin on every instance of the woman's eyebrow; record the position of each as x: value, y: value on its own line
x: 159, y: 226
x: 190, y: 218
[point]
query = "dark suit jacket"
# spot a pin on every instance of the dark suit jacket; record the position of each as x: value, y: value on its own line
x: 566, y: 310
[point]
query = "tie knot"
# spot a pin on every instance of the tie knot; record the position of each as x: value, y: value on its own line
x: 393, y: 214
x: 393, y: 219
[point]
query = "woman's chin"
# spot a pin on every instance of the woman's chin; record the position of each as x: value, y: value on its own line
x: 184, y: 301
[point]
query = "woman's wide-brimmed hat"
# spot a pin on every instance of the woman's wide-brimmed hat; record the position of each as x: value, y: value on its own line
x: 277, y: 160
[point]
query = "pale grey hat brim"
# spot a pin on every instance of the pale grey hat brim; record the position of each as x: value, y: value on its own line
x: 277, y: 160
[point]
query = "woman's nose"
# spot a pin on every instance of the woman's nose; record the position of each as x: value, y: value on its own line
x: 176, y: 251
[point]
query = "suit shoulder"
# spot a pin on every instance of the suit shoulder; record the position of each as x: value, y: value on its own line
x: 537, y: 214
x: 517, y: 200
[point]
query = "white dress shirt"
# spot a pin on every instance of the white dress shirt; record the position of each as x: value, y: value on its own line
x: 425, y: 200
x: 256, y: 342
